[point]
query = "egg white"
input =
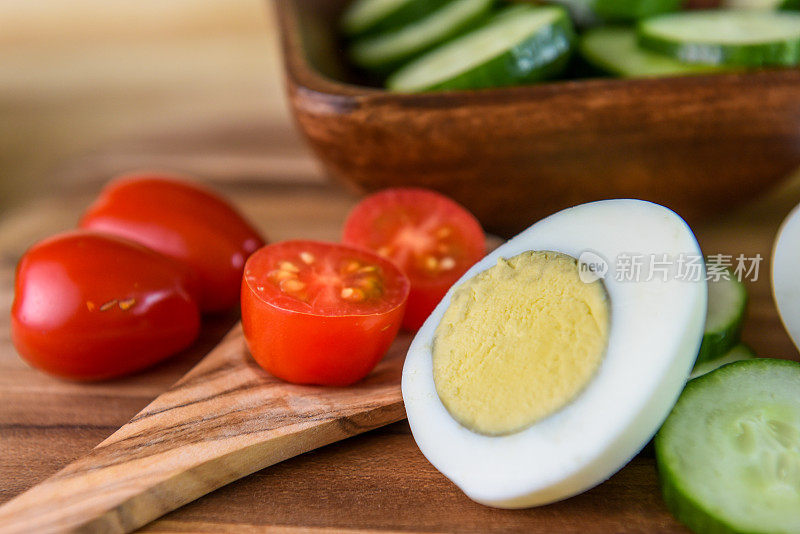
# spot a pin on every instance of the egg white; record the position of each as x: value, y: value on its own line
x: 785, y: 274
x: 656, y: 330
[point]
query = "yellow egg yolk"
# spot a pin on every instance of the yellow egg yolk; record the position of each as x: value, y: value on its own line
x: 519, y: 341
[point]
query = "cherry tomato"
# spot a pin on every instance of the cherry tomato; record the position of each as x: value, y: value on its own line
x: 431, y: 238
x: 90, y: 306
x: 320, y: 313
x: 183, y: 221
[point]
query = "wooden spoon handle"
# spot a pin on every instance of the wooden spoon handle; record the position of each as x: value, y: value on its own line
x: 225, y: 419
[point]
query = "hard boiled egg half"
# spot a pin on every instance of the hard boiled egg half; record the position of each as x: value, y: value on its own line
x: 555, y: 359
x: 785, y: 279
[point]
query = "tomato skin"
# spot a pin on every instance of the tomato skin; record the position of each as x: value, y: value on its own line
x: 340, y: 352
x: 89, y: 306
x: 378, y: 221
x: 421, y: 302
x: 185, y: 222
x: 312, y: 347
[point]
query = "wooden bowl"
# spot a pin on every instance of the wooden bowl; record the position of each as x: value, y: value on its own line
x: 700, y: 145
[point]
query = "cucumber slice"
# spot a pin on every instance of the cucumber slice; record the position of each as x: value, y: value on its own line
x: 753, y: 4
x: 372, y: 16
x: 589, y: 12
x: 615, y: 50
x: 581, y: 11
x: 727, y: 301
x: 387, y: 50
x: 762, y: 4
x: 521, y: 44
x: 725, y: 37
x: 729, y: 453
x: 737, y: 353
x: 628, y: 10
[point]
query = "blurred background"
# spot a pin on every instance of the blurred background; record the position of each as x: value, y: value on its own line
x: 88, y: 78
x: 91, y: 88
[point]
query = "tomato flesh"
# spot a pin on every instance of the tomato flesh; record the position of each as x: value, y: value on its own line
x: 185, y: 222
x: 320, y: 313
x: 89, y: 306
x: 430, y: 237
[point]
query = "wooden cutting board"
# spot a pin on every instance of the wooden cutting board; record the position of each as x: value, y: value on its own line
x: 376, y: 481
x: 223, y: 420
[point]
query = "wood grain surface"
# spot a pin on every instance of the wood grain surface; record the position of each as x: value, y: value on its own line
x: 378, y: 481
x: 225, y: 419
x: 247, y: 149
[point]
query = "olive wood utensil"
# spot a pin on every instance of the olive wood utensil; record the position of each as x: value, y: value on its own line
x: 226, y: 418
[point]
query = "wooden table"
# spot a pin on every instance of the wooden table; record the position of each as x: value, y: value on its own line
x: 378, y: 481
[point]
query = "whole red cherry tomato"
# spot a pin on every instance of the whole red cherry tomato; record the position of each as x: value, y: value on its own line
x: 320, y: 313
x: 90, y: 306
x: 431, y: 238
x: 183, y: 221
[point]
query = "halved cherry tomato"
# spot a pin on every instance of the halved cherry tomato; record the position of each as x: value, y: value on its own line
x: 184, y: 221
x: 320, y: 313
x: 90, y: 306
x: 431, y: 238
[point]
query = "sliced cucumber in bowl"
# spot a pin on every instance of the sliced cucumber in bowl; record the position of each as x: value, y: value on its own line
x: 728, y: 455
x: 615, y: 50
x: 521, y: 44
x: 373, y: 16
x: 629, y: 10
x: 581, y: 11
x: 591, y: 12
x: 725, y: 37
x: 762, y: 4
x: 385, y: 51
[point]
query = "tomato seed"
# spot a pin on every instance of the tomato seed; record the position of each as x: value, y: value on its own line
x: 125, y: 305
x: 352, y: 267
x: 281, y: 275
x: 307, y: 257
x: 447, y: 263
x: 352, y: 294
x: 108, y: 305
x: 292, y: 286
x: 431, y: 263
x: 369, y: 284
x: 289, y: 266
